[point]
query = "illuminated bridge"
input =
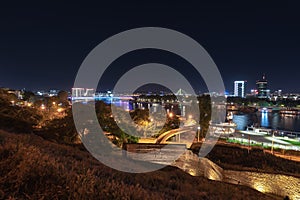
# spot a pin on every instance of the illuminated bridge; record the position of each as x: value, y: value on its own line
x: 103, y: 98
x: 89, y: 94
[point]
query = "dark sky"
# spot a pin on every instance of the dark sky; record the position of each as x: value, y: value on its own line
x: 43, y: 45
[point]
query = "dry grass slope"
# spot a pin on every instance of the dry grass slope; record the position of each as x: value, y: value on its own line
x: 236, y: 158
x: 33, y: 168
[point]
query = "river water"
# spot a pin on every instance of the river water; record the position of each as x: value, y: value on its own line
x: 268, y: 120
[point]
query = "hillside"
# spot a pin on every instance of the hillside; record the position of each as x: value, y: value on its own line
x: 33, y: 168
x: 237, y: 158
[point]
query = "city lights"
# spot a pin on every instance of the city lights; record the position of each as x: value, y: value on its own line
x: 166, y: 100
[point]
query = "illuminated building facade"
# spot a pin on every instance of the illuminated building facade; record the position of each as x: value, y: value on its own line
x: 239, y: 88
x: 83, y: 92
x: 262, y: 88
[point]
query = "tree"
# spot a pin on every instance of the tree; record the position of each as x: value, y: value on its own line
x: 12, y: 97
x: 108, y: 124
x: 38, y: 103
x: 205, y: 113
x: 63, y: 98
x: 17, y: 119
x: 171, y: 123
x: 27, y: 95
x: 61, y: 130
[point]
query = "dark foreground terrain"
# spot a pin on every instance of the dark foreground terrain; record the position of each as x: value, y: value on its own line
x: 33, y: 168
x: 233, y: 157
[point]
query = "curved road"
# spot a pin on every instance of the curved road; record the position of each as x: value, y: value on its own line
x: 167, y: 135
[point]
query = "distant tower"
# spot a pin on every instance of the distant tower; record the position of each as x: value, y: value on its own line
x: 239, y: 88
x: 262, y: 88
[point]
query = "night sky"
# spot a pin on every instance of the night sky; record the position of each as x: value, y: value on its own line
x: 43, y: 45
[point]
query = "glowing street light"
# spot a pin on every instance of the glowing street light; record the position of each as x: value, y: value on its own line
x: 170, y: 115
x: 190, y: 116
x: 198, y: 133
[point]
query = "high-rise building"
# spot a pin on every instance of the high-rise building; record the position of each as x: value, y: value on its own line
x: 239, y: 88
x: 78, y: 92
x: 262, y: 87
x: 83, y: 92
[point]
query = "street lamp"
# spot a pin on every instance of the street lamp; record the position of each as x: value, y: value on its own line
x: 198, y: 132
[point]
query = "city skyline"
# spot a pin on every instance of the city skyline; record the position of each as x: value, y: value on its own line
x: 150, y: 100
x: 159, y: 88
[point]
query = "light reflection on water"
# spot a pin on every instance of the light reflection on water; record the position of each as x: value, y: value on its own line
x: 130, y: 105
x: 268, y: 120
x: 264, y: 120
x: 126, y: 105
